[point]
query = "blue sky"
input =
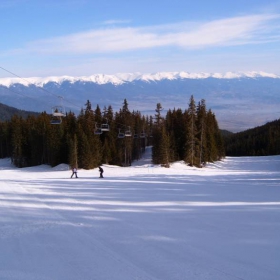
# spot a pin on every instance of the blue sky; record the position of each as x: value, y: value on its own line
x: 85, y: 37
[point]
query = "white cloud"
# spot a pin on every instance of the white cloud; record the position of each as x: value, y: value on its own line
x: 113, y: 21
x: 231, y: 31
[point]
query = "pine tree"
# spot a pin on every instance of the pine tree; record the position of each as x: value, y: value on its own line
x: 125, y: 144
x: 85, y: 159
x: 212, y: 137
x: 90, y: 147
x: 161, y: 152
x: 191, y: 141
x: 164, y: 148
x: 138, y: 135
x: 54, y: 144
x: 18, y: 141
x: 5, y: 146
x: 201, y: 127
x: 109, y: 138
x: 157, y: 134
x: 73, y: 151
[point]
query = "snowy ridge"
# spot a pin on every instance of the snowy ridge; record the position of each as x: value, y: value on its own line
x: 121, y: 78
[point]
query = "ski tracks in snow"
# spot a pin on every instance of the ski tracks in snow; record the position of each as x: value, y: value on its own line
x: 100, y: 261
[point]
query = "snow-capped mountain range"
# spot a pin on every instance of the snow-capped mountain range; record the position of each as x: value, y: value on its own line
x: 121, y: 78
x: 240, y: 100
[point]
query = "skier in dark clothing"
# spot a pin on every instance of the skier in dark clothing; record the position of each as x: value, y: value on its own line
x: 74, y: 171
x: 101, y: 172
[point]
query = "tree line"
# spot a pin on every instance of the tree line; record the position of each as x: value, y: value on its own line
x: 191, y: 135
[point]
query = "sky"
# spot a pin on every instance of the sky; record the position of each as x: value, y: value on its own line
x: 86, y: 37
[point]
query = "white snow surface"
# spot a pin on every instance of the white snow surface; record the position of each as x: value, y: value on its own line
x: 147, y: 222
x: 121, y: 78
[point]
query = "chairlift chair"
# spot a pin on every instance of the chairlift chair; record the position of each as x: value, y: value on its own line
x: 135, y: 136
x: 97, y: 130
x: 121, y: 134
x: 128, y: 132
x: 142, y: 135
x: 56, y: 120
x: 105, y: 127
x: 58, y: 111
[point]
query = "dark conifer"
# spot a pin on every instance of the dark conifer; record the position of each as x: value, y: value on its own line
x: 201, y: 131
x: 191, y: 141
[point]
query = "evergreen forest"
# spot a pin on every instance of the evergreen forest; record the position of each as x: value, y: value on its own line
x: 259, y: 141
x: 96, y: 137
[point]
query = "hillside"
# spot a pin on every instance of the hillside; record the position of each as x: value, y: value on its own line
x: 6, y: 112
x: 259, y: 141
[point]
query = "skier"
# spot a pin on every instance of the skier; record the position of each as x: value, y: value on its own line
x: 74, y: 171
x: 101, y: 172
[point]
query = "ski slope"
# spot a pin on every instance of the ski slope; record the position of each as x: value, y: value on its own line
x: 142, y: 222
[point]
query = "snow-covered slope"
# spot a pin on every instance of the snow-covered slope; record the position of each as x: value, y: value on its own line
x: 142, y: 222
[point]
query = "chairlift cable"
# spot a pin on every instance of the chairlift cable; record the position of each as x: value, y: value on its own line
x: 11, y: 90
x: 39, y: 87
x: 24, y: 79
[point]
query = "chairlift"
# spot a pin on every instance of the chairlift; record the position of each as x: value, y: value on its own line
x: 105, y: 127
x: 135, y: 136
x: 128, y: 132
x: 121, y: 134
x: 97, y: 130
x: 56, y: 120
x: 57, y: 113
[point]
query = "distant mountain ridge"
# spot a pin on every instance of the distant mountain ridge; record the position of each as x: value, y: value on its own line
x: 121, y: 78
x: 239, y: 100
